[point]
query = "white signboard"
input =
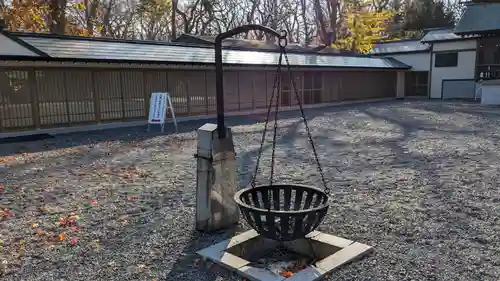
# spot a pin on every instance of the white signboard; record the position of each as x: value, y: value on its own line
x: 158, y: 108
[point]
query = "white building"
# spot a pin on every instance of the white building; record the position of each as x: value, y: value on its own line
x: 459, y: 63
x: 443, y: 64
x: 413, y: 53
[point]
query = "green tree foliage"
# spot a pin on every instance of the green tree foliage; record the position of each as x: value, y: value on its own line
x: 26, y: 16
x: 423, y: 14
x: 362, y: 29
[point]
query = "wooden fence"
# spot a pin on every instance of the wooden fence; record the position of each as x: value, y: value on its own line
x: 32, y: 98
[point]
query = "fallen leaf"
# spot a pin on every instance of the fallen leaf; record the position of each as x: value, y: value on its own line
x: 62, y: 222
x: 35, y: 225
x: 286, y: 274
x: 73, y: 242
x: 69, y: 221
x: 62, y: 236
x: 6, y: 213
x: 94, y: 202
x: 77, y: 227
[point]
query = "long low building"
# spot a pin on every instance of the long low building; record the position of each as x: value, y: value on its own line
x: 51, y: 81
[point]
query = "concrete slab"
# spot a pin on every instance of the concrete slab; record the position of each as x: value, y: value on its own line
x: 334, y: 252
x: 259, y: 274
x: 348, y: 254
x: 332, y: 240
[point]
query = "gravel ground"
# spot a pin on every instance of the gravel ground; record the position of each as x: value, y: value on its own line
x: 417, y: 180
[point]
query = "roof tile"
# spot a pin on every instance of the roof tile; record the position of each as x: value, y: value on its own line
x: 399, y: 47
x: 479, y: 18
x: 71, y: 48
x: 443, y: 35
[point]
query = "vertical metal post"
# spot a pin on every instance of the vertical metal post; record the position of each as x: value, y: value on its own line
x: 207, y: 105
x: 219, y: 88
x: 253, y: 91
x: 185, y: 78
x: 96, y: 97
x: 35, y: 111
x: 66, y: 99
x: 145, y: 94
x: 323, y: 94
x: 267, y: 89
x: 302, y: 86
x: 238, y: 89
x: 122, y: 94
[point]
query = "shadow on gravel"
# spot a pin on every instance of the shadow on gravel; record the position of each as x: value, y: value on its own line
x: 448, y: 201
x: 410, y: 125
x: 460, y: 107
x: 249, y: 158
x: 138, y: 133
x: 190, y: 266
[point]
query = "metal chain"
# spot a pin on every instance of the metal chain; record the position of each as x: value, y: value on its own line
x: 297, y: 96
x: 276, y: 109
x: 275, y: 84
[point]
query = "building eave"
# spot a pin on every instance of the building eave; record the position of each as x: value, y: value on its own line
x: 401, y: 53
x: 22, y: 43
x: 449, y: 40
x: 70, y: 62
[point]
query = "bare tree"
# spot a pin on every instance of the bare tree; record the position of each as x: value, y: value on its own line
x: 173, y: 19
x: 306, y: 21
x: 190, y: 14
x: 57, y: 16
x: 120, y: 19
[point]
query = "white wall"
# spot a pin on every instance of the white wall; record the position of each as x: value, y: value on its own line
x: 417, y: 61
x: 454, y: 45
x: 11, y: 48
x: 490, y: 94
x: 464, y: 69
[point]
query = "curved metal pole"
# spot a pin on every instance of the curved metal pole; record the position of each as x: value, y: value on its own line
x: 219, y: 76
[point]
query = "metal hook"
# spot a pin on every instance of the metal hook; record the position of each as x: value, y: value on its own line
x: 283, y: 41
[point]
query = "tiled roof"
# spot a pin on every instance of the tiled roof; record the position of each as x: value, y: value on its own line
x: 479, y: 18
x: 242, y: 44
x: 445, y: 34
x: 404, y: 46
x: 63, y: 47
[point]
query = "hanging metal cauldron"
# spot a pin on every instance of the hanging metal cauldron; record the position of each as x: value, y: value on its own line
x: 281, y: 212
x: 291, y: 212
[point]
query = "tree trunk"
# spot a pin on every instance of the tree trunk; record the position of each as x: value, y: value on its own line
x: 334, y: 9
x: 173, y: 19
x: 57, y: 18
x: 307, y: 38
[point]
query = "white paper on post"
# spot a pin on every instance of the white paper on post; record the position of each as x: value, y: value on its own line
x: 158, y: 110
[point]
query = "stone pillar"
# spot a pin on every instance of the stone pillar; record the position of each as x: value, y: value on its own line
x: 216, y: 181
x: 400, y: 85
